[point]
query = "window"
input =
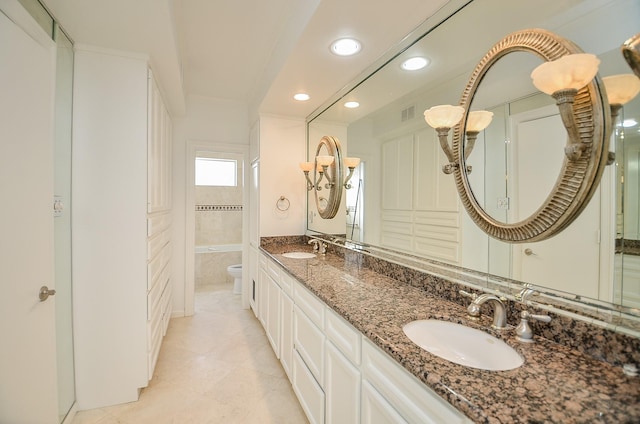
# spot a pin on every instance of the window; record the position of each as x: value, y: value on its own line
x: 216, y: 172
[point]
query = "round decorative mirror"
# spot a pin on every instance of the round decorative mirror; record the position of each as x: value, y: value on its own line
x: 578, y: 175
x: 328, y: 177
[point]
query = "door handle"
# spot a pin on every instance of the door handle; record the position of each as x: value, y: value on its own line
x: 45, y: 293
x: 528, y: 252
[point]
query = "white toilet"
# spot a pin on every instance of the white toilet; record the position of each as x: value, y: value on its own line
x: 236, y: 272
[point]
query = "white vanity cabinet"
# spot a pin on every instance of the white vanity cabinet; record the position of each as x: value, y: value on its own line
x: 121, y: 188
x: 338, y: 375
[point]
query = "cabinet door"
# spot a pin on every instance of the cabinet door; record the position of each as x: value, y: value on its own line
x: 308, y: 341
x: 273, y: 314
x: 342, y: 388
x: 375, y: 409
x: 308, y: 390
x: 262, y: 299
x: 286, y: 333
x: 410, y: 398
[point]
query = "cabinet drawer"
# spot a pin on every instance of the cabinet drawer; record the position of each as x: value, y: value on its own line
x: 346, y: 338
x: 309, y: 393
x: 308, y: 341
x: 286, y: 283
x: 310, y: 304
x: 274, y: 271
x: 414, y: 401
x: 376, y: 409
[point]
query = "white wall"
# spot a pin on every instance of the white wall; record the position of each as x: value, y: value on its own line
x: 282, y: 147
x: 207, y: 121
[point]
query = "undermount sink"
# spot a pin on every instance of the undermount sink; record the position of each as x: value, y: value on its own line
x: 299, y: 255
x: 463, y: 345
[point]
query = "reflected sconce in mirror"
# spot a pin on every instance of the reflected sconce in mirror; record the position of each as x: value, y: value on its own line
x: 444, y: 117
x: 323, y: 164
x: 562, y: 79
x: 350, y: 163
x: 620, y: 90
x: 477, y: 121
x: 631, y: 53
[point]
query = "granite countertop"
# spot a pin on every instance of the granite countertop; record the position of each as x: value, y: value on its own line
x: 554, y: 385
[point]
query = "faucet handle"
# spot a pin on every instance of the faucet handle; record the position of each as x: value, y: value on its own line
x: 524, y: 333
x: 472, y: 296
x: 315, y: 243
x: 526, y: 293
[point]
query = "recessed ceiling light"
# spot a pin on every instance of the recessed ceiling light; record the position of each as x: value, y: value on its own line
x: 345, y: 47
x: 301, y: 97
x: 414, y: 63
x: 351, y: 105
x: 628, y: 123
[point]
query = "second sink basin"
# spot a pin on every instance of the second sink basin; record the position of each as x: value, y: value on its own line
x: 463, y: 345
x: 299, y: 255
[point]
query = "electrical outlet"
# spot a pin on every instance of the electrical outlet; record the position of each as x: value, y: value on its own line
x: 503, y: 203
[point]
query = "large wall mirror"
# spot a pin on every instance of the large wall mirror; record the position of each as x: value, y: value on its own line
x: 409, y: 207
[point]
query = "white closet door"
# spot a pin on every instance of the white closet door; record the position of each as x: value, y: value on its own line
x: 570, y: 260
x: 28, y: 388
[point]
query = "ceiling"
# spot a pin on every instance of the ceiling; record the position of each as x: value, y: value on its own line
x: 252, y: 51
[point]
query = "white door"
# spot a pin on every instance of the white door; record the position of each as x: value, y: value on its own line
x: 570, y: 260
x: 28, y: 389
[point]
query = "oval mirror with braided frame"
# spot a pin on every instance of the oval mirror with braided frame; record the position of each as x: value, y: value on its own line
x: 578, y: 179
x: 332, y: 180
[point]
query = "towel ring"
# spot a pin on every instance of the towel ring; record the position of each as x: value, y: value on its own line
x: 283, y: 204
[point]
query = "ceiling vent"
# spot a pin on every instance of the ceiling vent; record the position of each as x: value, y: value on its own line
x: 408, y: 113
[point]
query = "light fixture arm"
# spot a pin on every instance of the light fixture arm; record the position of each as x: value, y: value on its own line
x: 320, y: 174
x: 564, y: 100
x: 443, y: 136
x: 310, y: 184
x: 471, y: 141
x: 347, y: 184
x: 330, y: 182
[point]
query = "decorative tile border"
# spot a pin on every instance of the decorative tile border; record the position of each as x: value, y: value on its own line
x: 224, y: 208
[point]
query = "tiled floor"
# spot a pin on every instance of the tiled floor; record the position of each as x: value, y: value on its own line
x: 214, y: 367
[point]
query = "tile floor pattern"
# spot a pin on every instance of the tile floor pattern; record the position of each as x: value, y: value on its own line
x: 214, y: 367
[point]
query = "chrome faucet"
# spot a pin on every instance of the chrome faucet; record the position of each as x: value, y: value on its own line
x: 316, y: 244
x: 499, y: 310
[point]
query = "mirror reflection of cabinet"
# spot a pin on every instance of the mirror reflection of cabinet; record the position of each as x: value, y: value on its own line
x: 420, y: 211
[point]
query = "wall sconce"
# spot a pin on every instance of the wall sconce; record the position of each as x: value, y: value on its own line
x: 444, y: 117
x: 562, y: 78
x: 306, y: 168
x: 323, y: 163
